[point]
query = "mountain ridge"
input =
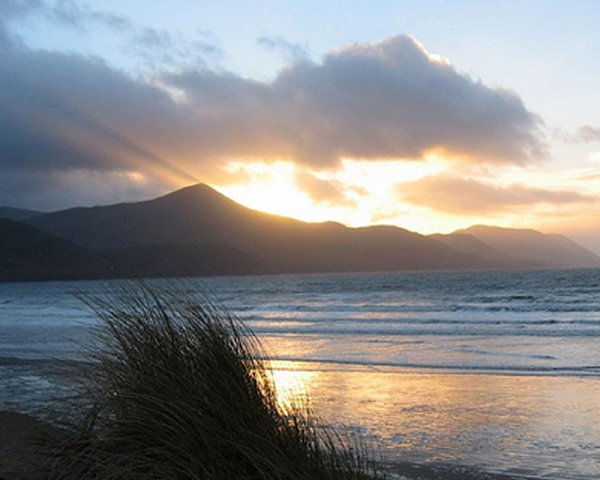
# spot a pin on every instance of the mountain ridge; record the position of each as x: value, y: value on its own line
x: 13, y: 213
x: 551, y: 249
x: 201, y: 215
x: 199, y: 231
x: 27, y: 253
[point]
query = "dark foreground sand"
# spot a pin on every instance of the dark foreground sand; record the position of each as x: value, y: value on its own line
x: 19, y: 436
x: 19, y: 453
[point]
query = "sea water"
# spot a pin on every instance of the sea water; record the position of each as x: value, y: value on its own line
x: 497, y: 370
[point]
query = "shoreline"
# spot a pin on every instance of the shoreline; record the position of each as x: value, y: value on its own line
x: 19, y: 433
x: 326, y: 365
x: 416, y: 416
x: 423, y: 471
x: 342, y: 273
x: 435, y: 376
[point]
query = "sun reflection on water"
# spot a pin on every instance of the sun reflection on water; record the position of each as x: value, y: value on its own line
x: 292, y: 386
x: 509, y: 423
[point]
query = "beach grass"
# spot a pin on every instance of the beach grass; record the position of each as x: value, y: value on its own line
x: 178, y: 388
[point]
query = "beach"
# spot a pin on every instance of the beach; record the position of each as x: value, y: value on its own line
x: 492, y: 372
x: 428, y: 423
x: 19, y: 455
x: 523, y: 425
x: 19, y: 449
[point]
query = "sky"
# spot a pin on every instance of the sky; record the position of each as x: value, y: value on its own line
x: 429, y: 115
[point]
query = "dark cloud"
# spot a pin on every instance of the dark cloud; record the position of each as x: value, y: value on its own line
x: 54, y: 190
x: 289, y: 51
x: 5, y: 39
x: 64, y: 113
x: 469, y: 196
x: 588, y: 134
x: 387, y: 100
x: 10, y: 9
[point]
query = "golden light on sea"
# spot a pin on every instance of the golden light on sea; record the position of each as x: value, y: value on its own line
x: 292, y: 386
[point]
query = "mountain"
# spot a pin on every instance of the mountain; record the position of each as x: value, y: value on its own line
x: 27, y: 253
x: 17, y: 213
x: 198, y: 231
x: 525, y: 245
x: 201, y: 216
x: 463, y: 242
x: 180, y: 260
x: 469, y: 245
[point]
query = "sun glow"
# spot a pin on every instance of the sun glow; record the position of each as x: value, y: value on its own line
x: 367, y: 188
x: 371, y: 192
x: 271, y: 189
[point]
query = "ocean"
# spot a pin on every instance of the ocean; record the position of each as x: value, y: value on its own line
x: 494, y: 370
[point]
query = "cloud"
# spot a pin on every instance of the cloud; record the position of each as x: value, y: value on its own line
x: 159, y: 49
x: 322, y: 191
x: 289, y: 51
x: 153, y: 48
x: 78, y: 15
x: 16, y: 8
x: 11, y: 10
x: 588, y: 134
x: 462, y: 196
x: 64, y: 112
x: 387, y: 100
x: 54, y: 190
x: 591, y: 177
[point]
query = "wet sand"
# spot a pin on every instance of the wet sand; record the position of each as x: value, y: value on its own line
x: 521, y: 426
x: 19, y: 455
x: 413, y: 471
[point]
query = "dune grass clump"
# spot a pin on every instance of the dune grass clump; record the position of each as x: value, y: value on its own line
x: 179, y: 390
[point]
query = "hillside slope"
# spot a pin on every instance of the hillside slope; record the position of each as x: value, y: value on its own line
x: 198, y: 231
x: 549, y: 250
x: 27, y: 253
x: 199, y: 215
x: 17, y: 213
